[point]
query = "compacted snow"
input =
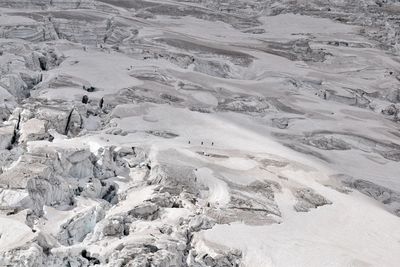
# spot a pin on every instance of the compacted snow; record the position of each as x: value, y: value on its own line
x: 199, y: 133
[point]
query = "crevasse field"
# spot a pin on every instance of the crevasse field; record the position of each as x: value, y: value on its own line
x: 151, y: 133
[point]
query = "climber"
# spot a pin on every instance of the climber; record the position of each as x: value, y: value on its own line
x: 90, y: 89
x: 85, y: 99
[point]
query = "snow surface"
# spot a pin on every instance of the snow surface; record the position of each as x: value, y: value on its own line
x: 197, y: 138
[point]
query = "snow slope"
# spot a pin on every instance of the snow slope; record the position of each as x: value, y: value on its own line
x: 199, y: 133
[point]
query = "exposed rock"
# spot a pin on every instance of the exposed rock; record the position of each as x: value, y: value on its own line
x: 308, y: 199
x: 387, y: 196
x: 200, y: 223
x: 111, y: 109
x: 147, y: 211
x: 244, y: 104
x: 230, y: 258
x: 327, y: 143
x: 392, y: 111
x: 281, y: 123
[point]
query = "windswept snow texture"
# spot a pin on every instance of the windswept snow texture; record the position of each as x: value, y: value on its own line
x: 254, y: 133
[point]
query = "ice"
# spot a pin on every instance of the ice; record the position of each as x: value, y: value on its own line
x: 199, y: 133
